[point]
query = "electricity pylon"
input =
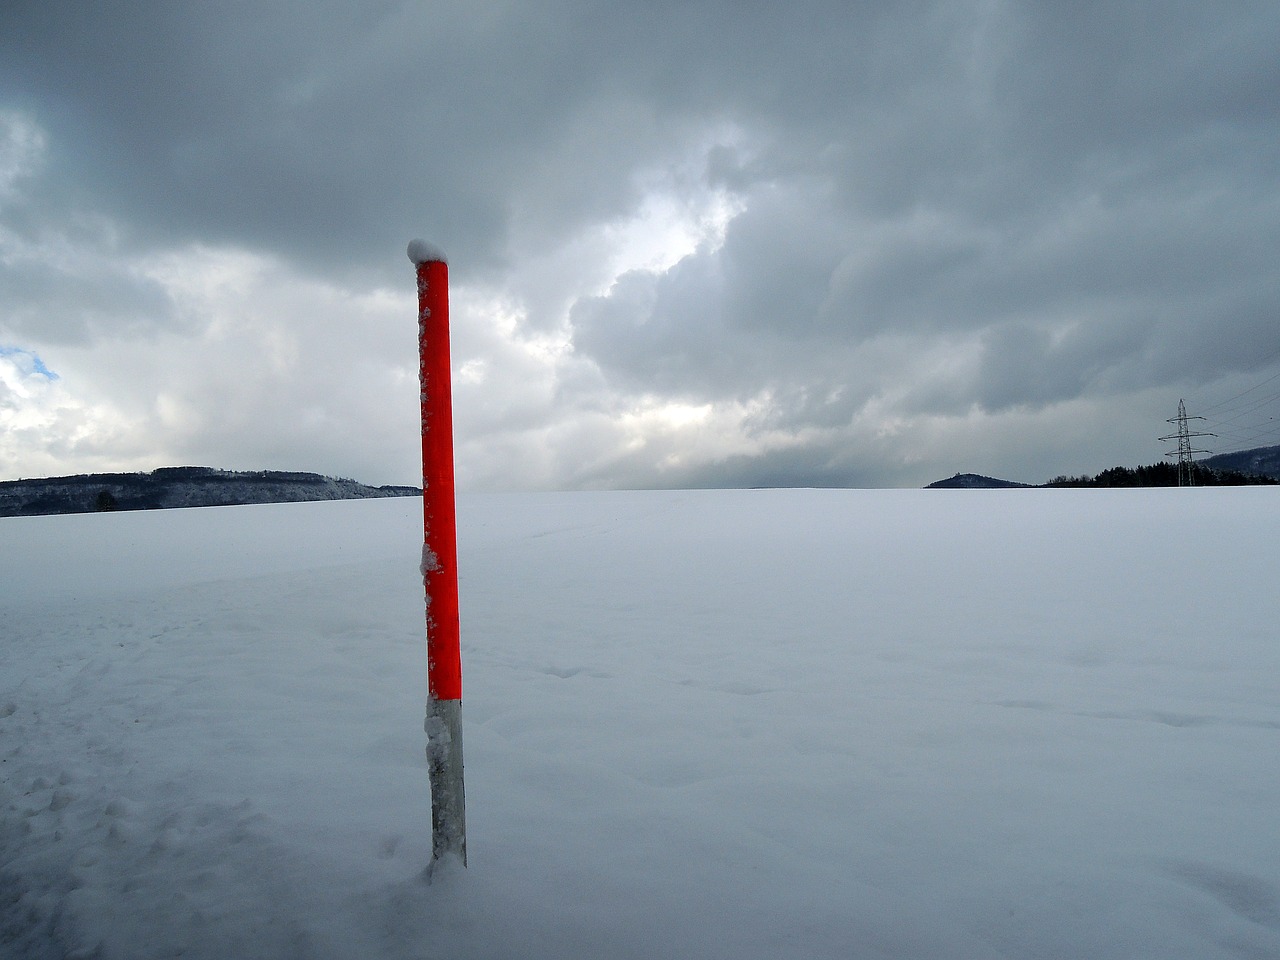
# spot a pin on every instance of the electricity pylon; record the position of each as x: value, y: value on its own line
x: 1184, y: 453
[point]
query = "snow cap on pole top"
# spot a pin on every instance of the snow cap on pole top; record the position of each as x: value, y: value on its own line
x: 420, y: 251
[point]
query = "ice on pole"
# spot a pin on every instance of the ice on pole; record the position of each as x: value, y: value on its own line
x: 440, y: 558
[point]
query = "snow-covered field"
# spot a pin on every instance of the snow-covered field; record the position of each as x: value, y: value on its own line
x: 745, y: 724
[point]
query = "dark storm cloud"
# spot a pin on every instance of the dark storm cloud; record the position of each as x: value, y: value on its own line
x: 1077, y: 186
x: 938, y: 208
x: 322, y: 128
x: 330, y: 131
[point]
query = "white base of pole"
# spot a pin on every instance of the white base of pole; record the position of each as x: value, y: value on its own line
x: 444, y: 768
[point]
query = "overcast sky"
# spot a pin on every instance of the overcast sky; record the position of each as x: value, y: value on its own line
x: 691, y: 243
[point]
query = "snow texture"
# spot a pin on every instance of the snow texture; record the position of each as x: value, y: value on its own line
x: 430, y: 562
x: 422, y: 251
x: 745, y: 724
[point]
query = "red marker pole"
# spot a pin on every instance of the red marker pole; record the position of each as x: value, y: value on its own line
x: 440, y: 558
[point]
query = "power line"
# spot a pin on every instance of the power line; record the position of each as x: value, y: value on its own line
x: 1243, y: 419
x: 1263, y: 364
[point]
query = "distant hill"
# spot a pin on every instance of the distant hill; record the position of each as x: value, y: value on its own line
x: 973, y: 481
x: 178, y: 487
x: 1260, y: 462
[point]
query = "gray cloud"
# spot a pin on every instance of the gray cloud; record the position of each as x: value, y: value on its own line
x: 80, y: 301
x: 693, y: 243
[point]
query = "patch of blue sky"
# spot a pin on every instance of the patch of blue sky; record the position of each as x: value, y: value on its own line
x: 28, y: 361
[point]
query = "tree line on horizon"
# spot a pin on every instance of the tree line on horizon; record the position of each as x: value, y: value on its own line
x: 178, y: 487
x: 1163, y: 475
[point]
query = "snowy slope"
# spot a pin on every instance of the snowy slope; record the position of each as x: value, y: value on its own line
x: 741, y: 724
